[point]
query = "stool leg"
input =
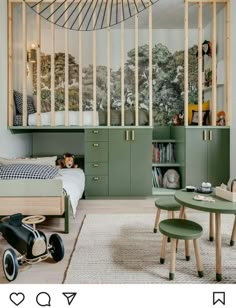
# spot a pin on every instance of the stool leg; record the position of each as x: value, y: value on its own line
x: 173, y: 214
x: 163, y: 249
x: 198, y: 258
x: 172, y: 259
x: 187, y: 250
x: 211, y: 226
x: 157, y: 220
x: 233, y: 236
x: 182, y: 212
x: 169, y: 215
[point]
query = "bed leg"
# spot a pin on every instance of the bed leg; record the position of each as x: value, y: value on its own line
x: 66, y: 215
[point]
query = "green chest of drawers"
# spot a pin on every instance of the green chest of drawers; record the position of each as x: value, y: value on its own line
x: 96, y: 162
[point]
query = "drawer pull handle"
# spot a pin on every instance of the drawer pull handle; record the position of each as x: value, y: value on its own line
x: 204, y: 135
x: 95, y: 131
x: 96, y: 145
x: 210, y: 135
x: 132, y: 135
x: 96, y: 178
x: 95, y: 165
x: 127, y: 135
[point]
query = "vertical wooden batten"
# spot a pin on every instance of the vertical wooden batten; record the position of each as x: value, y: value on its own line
x: 108, y: 69
x: 94, y: 72
x: 80, y: 74
x: 122, y: 75
x: 214, y: 96
x: 38, y: 67
x: 10, y: 64
x: 66, y: 70
x: 150, y: 64
x: 227, y: 89
x: 200, y: 63
x: 186, y: 63
x: 24, y: 63
x: 52, y: 70
x: 136, y: 71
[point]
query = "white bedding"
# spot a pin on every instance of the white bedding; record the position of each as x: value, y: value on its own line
x: 73, y: 183
x: 74, y: 118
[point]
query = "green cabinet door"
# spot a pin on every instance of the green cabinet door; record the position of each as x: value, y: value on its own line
x: 218, y: 156
x: 119, y: 162
x: 196, y: 157
x: 141, y: 162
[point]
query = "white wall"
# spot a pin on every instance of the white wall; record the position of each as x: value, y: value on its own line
x: 233, y: 92
x: 10, y: 145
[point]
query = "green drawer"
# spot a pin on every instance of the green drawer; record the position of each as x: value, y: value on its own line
x: 96, y: 168
x: 96, y: 135
x: 96, y: 185
x: 96, y: 151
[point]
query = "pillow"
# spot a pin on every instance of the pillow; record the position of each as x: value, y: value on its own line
x: 205, y: 117
x: 51, y: 161
x: 194, y: 107
x: 18, y: 120
x: 18, y: 100
x: 27, y: 171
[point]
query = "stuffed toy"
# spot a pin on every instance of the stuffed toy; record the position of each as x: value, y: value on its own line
x: 68, y: 161
x: 220, y: 118
x: 171, y: 179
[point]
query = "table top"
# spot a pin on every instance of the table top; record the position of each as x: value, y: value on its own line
x: 219, y: 206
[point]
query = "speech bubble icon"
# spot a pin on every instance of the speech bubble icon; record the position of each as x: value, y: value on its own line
x: 43, y: 299
x: 219, y: 297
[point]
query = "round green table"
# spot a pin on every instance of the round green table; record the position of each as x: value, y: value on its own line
x: 220, y: 206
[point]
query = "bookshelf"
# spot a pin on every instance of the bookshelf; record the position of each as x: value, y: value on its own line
x: 164, y: 157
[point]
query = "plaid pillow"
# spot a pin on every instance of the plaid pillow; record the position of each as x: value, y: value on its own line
x: 27, y: 171
x: 18, y: 100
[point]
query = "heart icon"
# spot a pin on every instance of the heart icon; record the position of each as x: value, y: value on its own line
x: 17, y: 298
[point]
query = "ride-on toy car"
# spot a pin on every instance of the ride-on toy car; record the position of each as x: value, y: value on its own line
x: 30, y: 243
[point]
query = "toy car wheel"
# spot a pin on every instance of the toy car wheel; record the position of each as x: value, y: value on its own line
x: 56, y: 247
x: 10, y: 264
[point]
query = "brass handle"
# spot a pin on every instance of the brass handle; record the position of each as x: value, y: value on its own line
x: 95, y: 165
x: 96, y: 145
x: 132, y: 135
x: 95, y: 131
x: 95, y: 178
x: 210, y: 135
x: 127, y: 135
x: 204, y: 135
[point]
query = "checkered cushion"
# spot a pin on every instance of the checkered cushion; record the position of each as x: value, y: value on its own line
x: 18, y: 99
x: 27, y: 171
x: 18, y: 120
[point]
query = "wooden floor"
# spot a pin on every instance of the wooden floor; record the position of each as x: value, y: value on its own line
x: 50, y: 272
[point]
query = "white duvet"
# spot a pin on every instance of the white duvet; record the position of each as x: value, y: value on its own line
x: 73, y: 183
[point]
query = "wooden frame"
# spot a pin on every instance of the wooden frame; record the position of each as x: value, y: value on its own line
x: 47, y: 206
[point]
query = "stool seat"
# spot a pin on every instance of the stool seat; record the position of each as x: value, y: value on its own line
x: 180, y: 229
x: 168, y: 204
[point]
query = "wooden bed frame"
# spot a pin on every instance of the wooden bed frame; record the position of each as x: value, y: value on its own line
x: 48, y: 206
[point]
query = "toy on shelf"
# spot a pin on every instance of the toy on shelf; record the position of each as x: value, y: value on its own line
x: 31, y: 244
x: 220, y: 121
x: 67, y: 161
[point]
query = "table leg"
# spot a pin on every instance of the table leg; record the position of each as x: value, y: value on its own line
x: 218, y: 247
x: 211, y: 227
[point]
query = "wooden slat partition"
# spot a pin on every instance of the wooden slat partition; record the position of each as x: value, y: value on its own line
x: 150, y: 63
x: 66, y: 70
x: 38, y: 67
x: 136, y: 71
x: 80, y: 74
x: 186, y: 63
x: 122, y: 47
x: 108, y: 70
x: 214, y: 95
x: 24, y: 63
x: 200, y: 63
x: 227, y: 86
x: 94, y: 75
x: 10, y: 64
x: 52, y: 70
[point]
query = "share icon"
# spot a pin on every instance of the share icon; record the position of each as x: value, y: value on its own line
x: 69, y: 296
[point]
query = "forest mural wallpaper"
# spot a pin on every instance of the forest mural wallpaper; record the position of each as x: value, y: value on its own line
x: 167, y: 82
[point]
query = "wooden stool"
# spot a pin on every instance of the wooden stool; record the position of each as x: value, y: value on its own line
x: 233, y: 236
x: 168, y: 204
x: 181, y: 229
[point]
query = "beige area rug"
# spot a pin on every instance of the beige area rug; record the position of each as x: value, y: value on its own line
x: 121, y: 248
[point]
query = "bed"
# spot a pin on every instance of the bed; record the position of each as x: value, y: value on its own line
x: 49, y: 197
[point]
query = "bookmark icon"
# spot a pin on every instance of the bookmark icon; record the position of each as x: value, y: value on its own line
x: 69, y: 296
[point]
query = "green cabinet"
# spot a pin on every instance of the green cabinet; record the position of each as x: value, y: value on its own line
x: 207, y: 155
x: 130, y: 162
x: 96, y: 162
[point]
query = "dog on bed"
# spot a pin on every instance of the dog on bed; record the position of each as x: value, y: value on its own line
x: 68, y: 161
